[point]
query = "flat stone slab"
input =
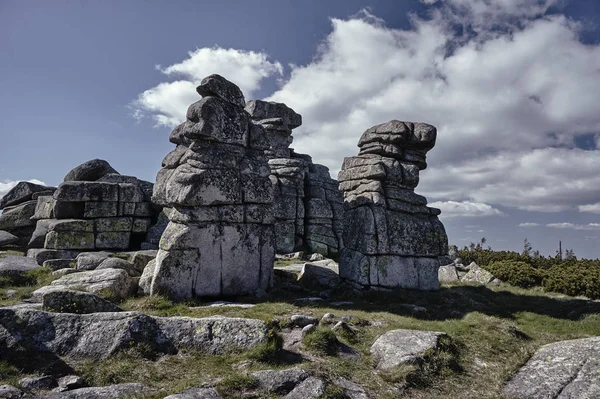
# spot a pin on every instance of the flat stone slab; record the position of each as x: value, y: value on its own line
x: 116, y: 282
x: 566, y: 369
x: 117, y: 391
x: 17, y: 265
x: 77, y: 302
x: 100, y: 335
x: 398, y: 347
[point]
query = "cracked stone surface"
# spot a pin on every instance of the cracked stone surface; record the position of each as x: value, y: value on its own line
x: 566, y: 369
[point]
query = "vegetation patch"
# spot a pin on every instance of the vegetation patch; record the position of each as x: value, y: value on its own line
x: 322, y: 341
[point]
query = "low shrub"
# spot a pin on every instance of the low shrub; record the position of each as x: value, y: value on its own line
x: 516, y: 273
x: 575, y: 278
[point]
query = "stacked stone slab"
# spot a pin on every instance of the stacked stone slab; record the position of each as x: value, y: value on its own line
x: 307, y: 205
x: 111, y: 213
x: 18, y: 206
x: 219, y: 240
x: 391, y: 238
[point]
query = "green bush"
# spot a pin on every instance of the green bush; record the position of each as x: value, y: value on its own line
x: 516, y: 273
x: 575, y: 278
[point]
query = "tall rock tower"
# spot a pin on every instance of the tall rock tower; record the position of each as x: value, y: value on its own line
x: 391, y: 238
x: 219, y: 240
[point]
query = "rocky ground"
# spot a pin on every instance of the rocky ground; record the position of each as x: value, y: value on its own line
x: 85, y: 330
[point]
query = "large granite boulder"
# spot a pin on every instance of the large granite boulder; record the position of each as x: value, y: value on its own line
x: 100, y: 335
x: 398, y: 347
x: 68, y: 301
x: 391, y: 238
x: 566, y: 369
x: 90, y: 171
x: 219, y: 240
x: 16, y: 267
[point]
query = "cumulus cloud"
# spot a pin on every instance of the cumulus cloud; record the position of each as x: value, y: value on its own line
x: 168, y: 101
x: 453, y: 209
x: 591, y: 208
x: 528, y: 224
x: 7, y: 185
x: 573, y: 226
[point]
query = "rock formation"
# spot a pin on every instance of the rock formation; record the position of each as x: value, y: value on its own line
x: 307, y: 204
x: 219, y: 240
x: 112, y: 212
x: 391, y: 238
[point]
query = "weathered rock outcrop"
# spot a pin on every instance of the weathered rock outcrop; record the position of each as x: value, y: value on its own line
x: 567, y: 369
x: 219, y: 240
x: 308, y: 205
x: 100, y: 335
x: 391, y: 238
x: 18, y: 206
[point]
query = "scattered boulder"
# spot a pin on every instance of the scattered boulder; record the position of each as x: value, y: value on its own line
x: 116, y: 391
x: 76, y: 302
x: 477, y: 275
x: 70, y: 382
x: 10, y: 392
x: 58, y: 264
x: 17, y: 266
x: 398, y: 347
x: 310, y: 388
x: 301, y: 320
x: 391, y: 237
x: 115, y: 283
x: 196, y: 393
x: 100, y: 335
x: 91, y: 170
x: 319, y: 276
x: 91, y: 260
x: 44, y: 382
x: 279, y: 382
x: 566, y: 369
x: 448, y: 274
x: 7, y: 239
x: 351, y: 389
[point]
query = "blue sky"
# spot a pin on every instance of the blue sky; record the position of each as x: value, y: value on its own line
x: 512, y: 85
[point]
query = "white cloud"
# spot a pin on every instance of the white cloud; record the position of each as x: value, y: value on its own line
x: 573, y: 226
x: 453, y: 209
x: 528, y: 224
x: 591, y: 208
x: 168, y: 101
x: 7, y: 185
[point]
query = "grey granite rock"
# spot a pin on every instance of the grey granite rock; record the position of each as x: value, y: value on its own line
x: 17, y: 266
x: 565, y: 369
x: 310, y: 388
x: 216, y: 85
x: 398, y: 347
x: 196, y: 393
x: 117, y: 391
x: 477, y: 275
x: 10, y: 392
x: 114, y: 282
x: 280, y: 382
x: 7, y: 239
x: 38, y: 383
x: 448, y: 274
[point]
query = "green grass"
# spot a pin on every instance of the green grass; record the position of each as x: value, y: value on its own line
x: 493, y: 331
x: 23, y: 285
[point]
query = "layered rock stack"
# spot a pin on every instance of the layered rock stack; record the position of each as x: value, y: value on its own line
x: 308, y: 205
x: 391, y: 238
x: 219, y: 240
x: 18, y: 206
x: 95, y: 208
